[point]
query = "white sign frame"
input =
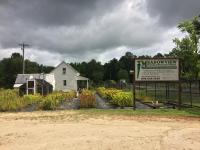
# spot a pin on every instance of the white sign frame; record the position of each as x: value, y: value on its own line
x: 157, y: 69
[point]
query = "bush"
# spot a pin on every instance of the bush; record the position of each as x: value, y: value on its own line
x: 11, y: 101
x: 107, y: 93
x: 87, y: 99
x: 122, y: 99
x: 54, y: 100
x: 51, y: 102
x: 33, y: 99
x: 102, y: 92
x: 116, y: 97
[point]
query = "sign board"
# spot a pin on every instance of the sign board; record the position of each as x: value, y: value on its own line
x: 157, y: 69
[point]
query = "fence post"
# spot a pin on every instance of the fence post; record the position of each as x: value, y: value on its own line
x: 146, y: 88
x: 199, y: 87
x: 190, y: 92
x: 179, y: 95
x: 134, y: 94
x: 166, y: 91
x: 155, y: 90
x: 139, y: 88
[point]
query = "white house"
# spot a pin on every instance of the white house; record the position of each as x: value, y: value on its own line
x: 63, y: 78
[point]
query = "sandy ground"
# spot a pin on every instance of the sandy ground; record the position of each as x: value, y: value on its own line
x: 67, y: 130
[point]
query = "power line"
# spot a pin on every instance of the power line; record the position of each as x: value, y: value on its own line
x: 23, y: 45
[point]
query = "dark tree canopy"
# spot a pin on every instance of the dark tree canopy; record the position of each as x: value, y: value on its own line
x: 10, y: 67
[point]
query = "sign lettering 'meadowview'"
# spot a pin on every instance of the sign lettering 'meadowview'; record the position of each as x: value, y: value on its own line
x: 164, y: 69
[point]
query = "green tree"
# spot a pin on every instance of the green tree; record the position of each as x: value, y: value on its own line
x: 192, y: 29
x: 111, y: 69
x: 123, y: 74
x: 158, y: 55
x: 97, y: 76
x: 185, y: 50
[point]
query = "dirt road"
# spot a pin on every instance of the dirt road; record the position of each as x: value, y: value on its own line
x: 67, y: 130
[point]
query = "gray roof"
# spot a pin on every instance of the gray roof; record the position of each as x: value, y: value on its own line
x: 21, y: 78
x: 81, y: 78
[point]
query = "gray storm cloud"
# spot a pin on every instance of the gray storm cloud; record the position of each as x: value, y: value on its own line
x: 81, y: 27
x: 172, y: 12
x: 75, y: 27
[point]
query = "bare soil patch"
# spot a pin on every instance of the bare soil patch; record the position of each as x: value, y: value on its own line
x: 71, y: 130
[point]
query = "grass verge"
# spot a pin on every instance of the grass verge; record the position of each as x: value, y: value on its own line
x: 189, y: 112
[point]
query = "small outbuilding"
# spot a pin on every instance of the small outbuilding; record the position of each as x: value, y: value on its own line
x: 34, y: 86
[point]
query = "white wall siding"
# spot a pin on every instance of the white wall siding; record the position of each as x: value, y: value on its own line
x: 70, y: 78
x: 51, y: 79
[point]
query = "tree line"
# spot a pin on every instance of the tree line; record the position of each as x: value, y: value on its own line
x: 187, y: 49
x: 10, y: 67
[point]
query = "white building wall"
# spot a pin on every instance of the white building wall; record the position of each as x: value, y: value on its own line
x: 51, y: 79
x: 70, y: 77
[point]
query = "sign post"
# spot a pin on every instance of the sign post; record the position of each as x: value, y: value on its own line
x: 157, y: 70
x: 134, y: 106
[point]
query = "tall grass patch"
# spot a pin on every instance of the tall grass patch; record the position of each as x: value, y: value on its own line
x: 116, y: 97
x: 87, y: 99
x: 11, y: 101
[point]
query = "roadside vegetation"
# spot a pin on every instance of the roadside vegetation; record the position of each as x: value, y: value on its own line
x: 11, y: 101
x: 116, y: 97
x: 186, y: 112
x: 87, y: 99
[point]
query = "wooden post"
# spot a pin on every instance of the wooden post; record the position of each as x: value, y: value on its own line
x: 139, y: 87
x: 134, y: 94
x: 146, y: 88
x: 190, y: 93
x: 87, y: 84
x: 155, y: 91
x: 199, y: 86
x: 179, y: 95
x: 179, y: 88
x: 166, y: 91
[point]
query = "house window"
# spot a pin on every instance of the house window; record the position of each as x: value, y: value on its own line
x: 31, y: 84
x: 64, y: 70
x: 30, y: 87
x: 64, y: 82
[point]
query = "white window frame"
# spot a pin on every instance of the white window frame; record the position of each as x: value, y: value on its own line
x: 27, y: 88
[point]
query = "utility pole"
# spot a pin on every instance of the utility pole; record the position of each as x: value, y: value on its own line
x: 23, y: 45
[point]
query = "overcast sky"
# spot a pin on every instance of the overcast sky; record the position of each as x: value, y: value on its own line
x: 79, y: 30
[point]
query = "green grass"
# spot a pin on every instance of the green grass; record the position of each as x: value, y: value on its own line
x: 189, y: 112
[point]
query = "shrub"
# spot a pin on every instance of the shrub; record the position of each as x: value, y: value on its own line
x: 11, y: 101
x: 107, y: 93
x: 102, y: 92
x: 116, y: 97
x: 87, y: 99
x: 50, y: 102
x: 54, y: 100
x: 32, y: 99
x: 122, y: 99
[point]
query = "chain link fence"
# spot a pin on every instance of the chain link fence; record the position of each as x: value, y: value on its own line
x: 167, y: 92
